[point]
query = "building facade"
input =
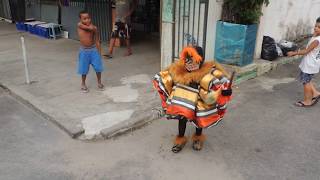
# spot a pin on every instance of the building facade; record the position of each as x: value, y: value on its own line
x: 285, y: 19
x: 181, y: 22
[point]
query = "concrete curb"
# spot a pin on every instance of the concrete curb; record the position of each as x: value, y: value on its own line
x: 258, y: 68
x: 137, y: 123
x: 148, y: 115
x: 5, y: 19
x: 20, y: 99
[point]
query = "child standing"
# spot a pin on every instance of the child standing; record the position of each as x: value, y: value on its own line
x: 90, y: 50
x: 310, y: 66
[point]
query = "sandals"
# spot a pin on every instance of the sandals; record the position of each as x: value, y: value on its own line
x: 179, y: 144
x: 301, y: 104
x: 198, y: 142
x: 128, y: 54
x: 101, y: 87
x: 316, y: 98
x: 84, y: 89
x: 108, y: 56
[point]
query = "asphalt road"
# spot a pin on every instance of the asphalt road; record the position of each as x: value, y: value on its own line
x: 263, y: 137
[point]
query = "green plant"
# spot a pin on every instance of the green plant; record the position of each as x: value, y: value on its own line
x: 242, y: 11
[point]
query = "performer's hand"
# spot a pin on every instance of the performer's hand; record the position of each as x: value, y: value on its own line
x: 227, y: 92
x: 291, y: 53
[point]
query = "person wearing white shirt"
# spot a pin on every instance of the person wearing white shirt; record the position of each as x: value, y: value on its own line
x: 309, y: 66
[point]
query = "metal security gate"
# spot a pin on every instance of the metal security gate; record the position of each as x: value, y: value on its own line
x: 33, y: 9
x: 101, y: 14
x: 190, y: 18
x: 5, y: 9
x: 100, y: 11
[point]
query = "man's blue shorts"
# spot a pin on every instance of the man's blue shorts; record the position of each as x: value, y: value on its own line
x: 89, y: 56
x: 305, y: 78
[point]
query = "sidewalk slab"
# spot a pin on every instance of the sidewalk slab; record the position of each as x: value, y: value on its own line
x: 55, y: 92
x: 128, y: 102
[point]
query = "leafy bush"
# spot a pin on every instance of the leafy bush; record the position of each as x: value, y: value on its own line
x: 242, y: 11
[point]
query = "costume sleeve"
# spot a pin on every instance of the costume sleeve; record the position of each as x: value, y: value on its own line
x: 222, y: 101
x: 211, y: 87
x: 209, y: 92
x: 163, y: 83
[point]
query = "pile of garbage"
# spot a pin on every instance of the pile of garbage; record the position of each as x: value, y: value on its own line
x: 272, y: 50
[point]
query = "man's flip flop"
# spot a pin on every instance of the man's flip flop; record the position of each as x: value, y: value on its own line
x: 84, y: 90
x: 108, y: 56
x: 101, y: 87
x: 301, y: 104
x: 316, y: 98
x: 128, y: 54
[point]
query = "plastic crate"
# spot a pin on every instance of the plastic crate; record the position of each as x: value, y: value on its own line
x: 43, y: 30
x: 32, y: 26
x: 21, y: 26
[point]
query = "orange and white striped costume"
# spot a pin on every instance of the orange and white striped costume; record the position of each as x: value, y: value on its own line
x: 202, y: 104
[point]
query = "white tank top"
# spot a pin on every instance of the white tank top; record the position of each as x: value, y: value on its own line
x: 310, y: 63
x: 122, y: 9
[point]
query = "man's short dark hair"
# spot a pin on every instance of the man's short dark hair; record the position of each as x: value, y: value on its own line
x: 318, y: 20
x: 83, y: 12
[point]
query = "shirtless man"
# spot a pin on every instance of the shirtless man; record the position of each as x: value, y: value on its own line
x: 90, y: 50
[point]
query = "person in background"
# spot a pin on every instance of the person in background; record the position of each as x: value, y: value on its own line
x: 122, y: 27
x: 309, y: 66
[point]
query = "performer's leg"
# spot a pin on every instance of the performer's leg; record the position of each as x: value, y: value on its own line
x: 180, y: 140
x: 198, y: 131
x: 198, y: 139
x: 182, y: 127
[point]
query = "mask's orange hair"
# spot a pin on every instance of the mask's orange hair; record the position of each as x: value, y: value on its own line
x: 192, y: 52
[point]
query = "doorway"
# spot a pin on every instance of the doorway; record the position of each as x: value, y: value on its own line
x: 145, y: 22
x: 144, y: 36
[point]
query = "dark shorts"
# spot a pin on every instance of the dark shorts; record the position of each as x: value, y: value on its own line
x: 305, y: 78
x: 87, y: 57
x: 121, y: 30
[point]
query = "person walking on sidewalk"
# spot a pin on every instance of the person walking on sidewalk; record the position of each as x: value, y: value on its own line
x: 122, y: 27
x: 90, y: 50
x: 309, y: 66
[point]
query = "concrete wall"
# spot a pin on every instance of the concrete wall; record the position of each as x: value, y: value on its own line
x: 167, y: 25
x: 287, y: 19
x: 5, y: 9
x: 49, y: 13
x: 33, y: 10
x: 166, y: 45
x: 43, y: 12
x: 70, y: 19
x: 214, y: 14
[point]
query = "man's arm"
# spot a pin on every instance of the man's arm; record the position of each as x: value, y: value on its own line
x: 87, y: 28
x: 133, y: 7
x: 97, y: 40
x: 312, y: 46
